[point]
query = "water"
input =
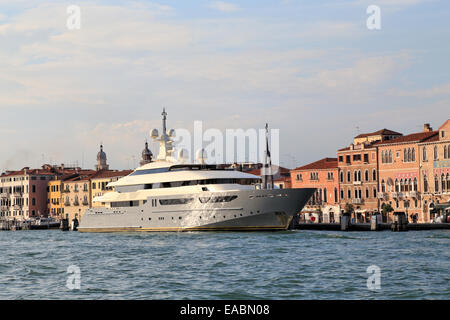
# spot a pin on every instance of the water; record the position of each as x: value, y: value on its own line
x: 221, y: 265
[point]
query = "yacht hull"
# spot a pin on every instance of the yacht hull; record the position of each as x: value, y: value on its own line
x: 248, y: 210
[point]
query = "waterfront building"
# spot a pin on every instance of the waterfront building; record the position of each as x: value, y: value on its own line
x: 400, y: 182
x: 434, y: 173
x: 322, y: 175
x: 76, y: 194
x: 358, y: 173
x: 99, y: 183
x: 23, y: 193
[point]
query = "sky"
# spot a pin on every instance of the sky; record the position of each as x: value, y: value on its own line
x: 311, y: 69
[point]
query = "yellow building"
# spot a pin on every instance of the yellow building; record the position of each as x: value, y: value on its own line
x: 55, y: 205
x: 100, y: 180
x: 76, y: 195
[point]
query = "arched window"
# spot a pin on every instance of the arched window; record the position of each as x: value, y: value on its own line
x: 325, y: 195
x: 374, y: 175
x: 413, y: 155
x: 435, y: 152
x: 409, y: 187
x: 445, y: 152
x: 356, y: 193
x: 448, y: 182
x: 374, y: 192
x: 366, y: 175
x: 436, y: 183
x: 355, y: 174
x: 390, y: 156
x: 397, y: 187
x: 383, y: 186
x: 349, y: 194
x: 349, y: 176
x: 409, y: 155
x: 342, y: 194
x: 424, y: 154
x: 405, y: 155
x: 341, y: 176
x: 367, y: 193
x: 425, y: 184
x: 335, y: 195
x: 415, y: 184
x: 442, y: 183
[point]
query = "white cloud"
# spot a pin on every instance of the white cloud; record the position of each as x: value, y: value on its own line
x: 224, y: 6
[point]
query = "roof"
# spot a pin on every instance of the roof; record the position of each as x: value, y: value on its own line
x: 379, y: 132
x: 281, y: 170
x: 111, y: 173
x: 82, y: 176
x: 325, y: 163
x: 29, y: 172
x: 410, y: 138
x: 444, y: 124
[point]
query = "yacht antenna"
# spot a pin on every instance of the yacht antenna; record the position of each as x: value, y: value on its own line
x: 267, y: 178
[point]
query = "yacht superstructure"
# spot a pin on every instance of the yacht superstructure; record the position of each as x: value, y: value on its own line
x: 168, y: 195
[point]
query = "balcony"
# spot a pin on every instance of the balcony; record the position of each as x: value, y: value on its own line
x: 67, y: 204
x: 5, y: 195
x: 357, y: 201
x: 356, y: 183
x: 412, y: 194
x: 381, y: 195
x: 85, y: 203
x: 398, y: 195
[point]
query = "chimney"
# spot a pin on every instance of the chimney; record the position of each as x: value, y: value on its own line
x: 427, y: 128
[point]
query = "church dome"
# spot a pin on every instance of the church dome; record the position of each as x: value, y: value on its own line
x: 146, y: 152
x: 101, y: 155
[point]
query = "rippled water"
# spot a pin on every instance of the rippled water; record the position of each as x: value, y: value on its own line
x: 220, y: 265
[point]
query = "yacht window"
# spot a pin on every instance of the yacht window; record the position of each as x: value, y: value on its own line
x: 149, y: 171
x: 165, y: 202
x: 217, y: 199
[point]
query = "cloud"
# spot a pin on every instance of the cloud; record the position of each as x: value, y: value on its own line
x: 224, y: 6
x: 443, y: 89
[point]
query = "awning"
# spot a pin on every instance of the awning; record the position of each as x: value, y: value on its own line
x: 442, y: 206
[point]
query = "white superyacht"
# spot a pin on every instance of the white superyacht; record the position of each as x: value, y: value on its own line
x: 169, y: 195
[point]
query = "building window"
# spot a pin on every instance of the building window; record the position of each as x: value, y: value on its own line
x: 435, y: 153
x: 366, y: 175
x: 424, y: 154
x: 341, y: 176
x: 335, y: 195
x: 374, y: 175
x: 349, y: 176
x: 425, y: 184
x: 436, y: 183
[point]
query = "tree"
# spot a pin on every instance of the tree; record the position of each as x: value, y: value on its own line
x: 386, y: 208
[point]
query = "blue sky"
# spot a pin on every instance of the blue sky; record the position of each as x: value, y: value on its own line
x: 310, y: 68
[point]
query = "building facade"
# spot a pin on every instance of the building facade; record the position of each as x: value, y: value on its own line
x: 322, y: 175
x: 358, y: 173
x: 76, y: 195
x: 399, y: 174
x: 434, y: 173
x: 23, y: 193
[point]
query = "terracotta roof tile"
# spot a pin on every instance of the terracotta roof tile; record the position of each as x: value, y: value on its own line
x: 382, y: 131
x: 414, y: 137
x: 325, y: 163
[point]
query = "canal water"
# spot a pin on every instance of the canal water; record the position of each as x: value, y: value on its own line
x: 221, y: 265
